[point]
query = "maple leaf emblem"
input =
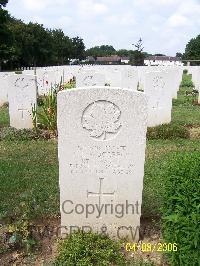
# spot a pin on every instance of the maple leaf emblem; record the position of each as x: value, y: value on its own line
x: 101, y: 118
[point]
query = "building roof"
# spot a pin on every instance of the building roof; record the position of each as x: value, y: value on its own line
x: 112, y: 58
x: 163, y: 58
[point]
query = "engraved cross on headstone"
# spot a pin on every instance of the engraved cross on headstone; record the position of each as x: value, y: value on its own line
x: 100, y: 193
x: 22, y: 112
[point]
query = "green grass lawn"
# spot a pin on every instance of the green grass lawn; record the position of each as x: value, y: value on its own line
x: 4, y: 116
x: 29, y: 172
x: 185, y: 111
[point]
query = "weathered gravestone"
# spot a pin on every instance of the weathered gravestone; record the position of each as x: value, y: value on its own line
x: 113, y: 77
x: 156, y: 87
x: 46, y: 80
x: 130, y: 78
x: 21, y: 97
x: 102, y: 139
x: 3, y: 87
x: 173, y: 81
x: 89, y: 78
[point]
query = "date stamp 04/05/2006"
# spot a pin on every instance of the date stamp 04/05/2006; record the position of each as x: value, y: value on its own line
x: 149, y: 247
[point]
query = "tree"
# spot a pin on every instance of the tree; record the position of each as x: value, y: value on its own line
x: 78, y: 48
x: 179, y: 55
x: 3, y: 3
x: 6, y: 38
x: 139, y: 45
x: 31, y: 44
x: 62, y: 47
x: 138, y: 56
x: 123, y: 52
x: 192, y: 50
x: 103, y: 50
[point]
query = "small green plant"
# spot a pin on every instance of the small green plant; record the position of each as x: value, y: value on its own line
x: 45, y: 117
x: 34, y: 117
x: 88, y: 249
x: 181, y: 210
x: 168, y: 131
x: 19, y: 234
x: 68, y: 85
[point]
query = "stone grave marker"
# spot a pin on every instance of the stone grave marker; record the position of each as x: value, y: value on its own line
x: 113, y: 77
x: 22, y: 97
x: 4, y: 87
x: 46, y: 79
x: 101, y: 147
x: 130, y: 79
x: 89, y: 78
x: 158, y: 92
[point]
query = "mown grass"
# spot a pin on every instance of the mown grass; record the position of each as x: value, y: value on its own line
x: 4, y: 116
x: 28, y: 168
x: 185, y: 110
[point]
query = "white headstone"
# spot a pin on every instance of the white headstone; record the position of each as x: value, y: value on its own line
x: 89, y: 78
x: 22, y: 97
x: 158, y: 92
x: 3, y: 87
x: 102, y: 139
x: 130, y: 78
x: 113, y: 77
x: 46, y: 79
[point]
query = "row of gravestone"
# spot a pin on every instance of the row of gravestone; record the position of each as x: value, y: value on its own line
x: 101, y: 144
x: 160, y: 86
x: 21, y: 90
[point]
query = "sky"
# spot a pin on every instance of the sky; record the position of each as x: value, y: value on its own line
x: 165, y: 26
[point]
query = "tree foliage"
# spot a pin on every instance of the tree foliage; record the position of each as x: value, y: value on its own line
x: 6, y: 38
x: 103, y: 50
x: 3, y: 3
x: 192, y: 50
x: 139, y: 45
x: 178, y: 54
x: 32, y: 44
x: 137, y: 58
